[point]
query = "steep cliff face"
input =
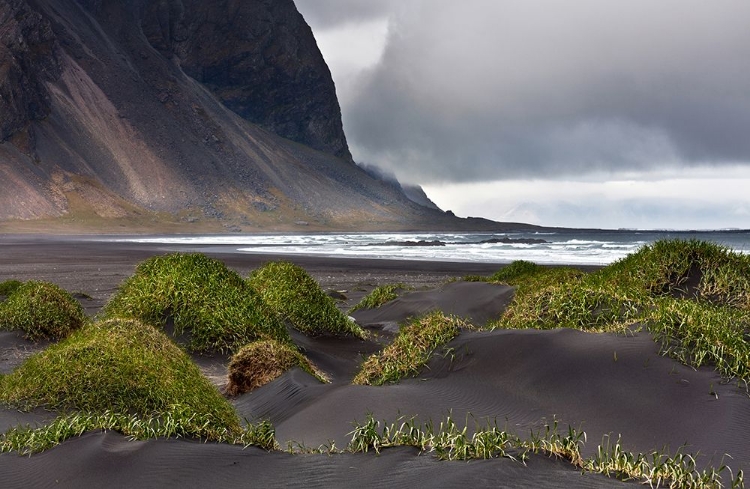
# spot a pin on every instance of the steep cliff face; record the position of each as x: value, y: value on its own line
x: 260, y: 58
x: 136, y: 112
x: 27, y: 60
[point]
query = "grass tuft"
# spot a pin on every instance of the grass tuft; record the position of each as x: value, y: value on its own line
x: 26, y: 440
x: 380, y: 295
x: 206, y: 301
x: 296, y: 296
x: 411, y: 350
x: 42, y: 311
x: 260, y: 362
x: 516, y: 270
x: 9, y: 286
x: 450, y: 442
x: 693, y: 296
x: 124, y: 367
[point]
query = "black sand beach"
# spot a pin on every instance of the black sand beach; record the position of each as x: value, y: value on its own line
x: 603, y: 384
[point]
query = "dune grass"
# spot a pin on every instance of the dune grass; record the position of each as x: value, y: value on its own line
x: 125, y: 376
x: 7, y: 287
x: 27, y: 440
x: 124, y: 367
x: 260, y: 362
x: 449, y: 441
x: 380, y: 295
x: 410, y: 350
x: 203, y: 299
x: 693, y: 296
x: 41, y: 310
x: 296, y: 296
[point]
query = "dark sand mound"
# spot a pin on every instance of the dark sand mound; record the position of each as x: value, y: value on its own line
x: 600, y: 383
x: 477, y: 302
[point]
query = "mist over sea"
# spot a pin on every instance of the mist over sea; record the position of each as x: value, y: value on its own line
x: 584, y: 247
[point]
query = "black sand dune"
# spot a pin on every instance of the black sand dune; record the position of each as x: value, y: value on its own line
x: 520, y: 379
x: 600, y: 383
x: 477, y: 302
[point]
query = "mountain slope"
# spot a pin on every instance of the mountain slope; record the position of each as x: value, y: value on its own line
x: 157, y: 114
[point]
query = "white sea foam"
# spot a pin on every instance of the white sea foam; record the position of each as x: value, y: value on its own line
x: 564, y: 247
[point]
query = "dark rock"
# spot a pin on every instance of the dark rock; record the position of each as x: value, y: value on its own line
x: 121, y: 109
x: 28, y: 59
x: 421, y: 242
x: 507, y: 240
x: 415, y: 193
x: 260, y: 58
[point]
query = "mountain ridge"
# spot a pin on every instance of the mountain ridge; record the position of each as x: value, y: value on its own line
x: 111, y: 127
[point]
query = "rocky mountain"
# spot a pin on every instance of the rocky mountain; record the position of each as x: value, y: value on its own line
x: 178, y: 115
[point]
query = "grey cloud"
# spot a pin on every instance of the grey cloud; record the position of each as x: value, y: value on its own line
x: 481, y: 90
x: 324, y: 14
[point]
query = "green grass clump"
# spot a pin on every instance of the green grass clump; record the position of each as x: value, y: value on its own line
x: 411, y: 350
x: 691, y: 295
x: 515, y: 270
x: 9, y: 286
x: 260, y: 362
x: 123, y: 367
x: 448, y: 441
x: 698, y: 333
x: 26, y: 440
x: 686, y: 268
x: 379, y: 296
x: 296, y: 296
x: 42, y: 311
x: 206, y: 301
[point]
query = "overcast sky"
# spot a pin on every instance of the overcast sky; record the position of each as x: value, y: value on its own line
x: 595, y: 113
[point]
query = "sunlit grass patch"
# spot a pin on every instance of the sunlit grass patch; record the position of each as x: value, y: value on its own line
x: 296, y: 296
x: 686, y: 269
x: 124, y: 367
x: 698, y: 333
x: 260, y: 362
x: 449, y: 441
x: 206, y: 301
x: 410, y: 350
x: 378, y: 296
x: 26, y: 440
x: 41, y: 310
x: 516, y: 270
x: 691, y: 295
x: 563, y: 300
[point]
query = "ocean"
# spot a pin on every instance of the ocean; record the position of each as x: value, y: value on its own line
x: 583, y: 247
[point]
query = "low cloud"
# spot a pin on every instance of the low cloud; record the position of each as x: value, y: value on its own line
x: 324, y: 14
x: 475, y: 90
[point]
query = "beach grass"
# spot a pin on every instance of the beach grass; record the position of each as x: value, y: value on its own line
x: 298, y: 298
x: 410, y: 350
x: 126, y: 376
x: 40, y: 310
x: 27, y: 440
x: 7, y: 287
x: 260, y: 362
x: 449, y: 441
x: 693, y: 296
x: 380, y: 295
x: 204, y: 301
x: 123, y: 367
